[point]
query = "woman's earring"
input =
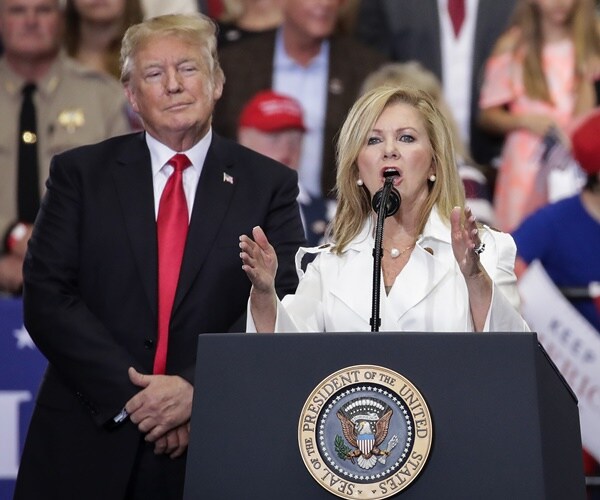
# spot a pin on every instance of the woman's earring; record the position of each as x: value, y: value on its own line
x: 432, y: 177
x: 359, y: 182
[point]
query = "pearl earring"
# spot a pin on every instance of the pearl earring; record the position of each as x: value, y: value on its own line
x: 359, y: 182
x: 432, y: 177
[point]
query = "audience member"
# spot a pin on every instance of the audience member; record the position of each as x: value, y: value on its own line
x: 424, y: 31
x: 244, y: 18
x: 348, y: 17
x: 551, y: 233
x: 469, y: 281
x: 94, y: 30
x: 539, y: 78
x: 49, y: 104
x: 272, y: 124
x: 212, y: 8
x: 414, y: 74
x: 134, y: 253
x: 93, y: 35
x: 306, y: 60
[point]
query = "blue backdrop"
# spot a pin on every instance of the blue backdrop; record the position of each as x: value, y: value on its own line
x: 21, y: 369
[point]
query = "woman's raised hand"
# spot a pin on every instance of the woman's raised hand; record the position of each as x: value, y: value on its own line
x: 466, y: 244
x: 259, y: 260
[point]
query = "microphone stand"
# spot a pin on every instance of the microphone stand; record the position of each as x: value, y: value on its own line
x: 384, y: 206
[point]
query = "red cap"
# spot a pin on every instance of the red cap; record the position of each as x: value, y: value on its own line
x: 586, y: 144
x: 272, y: 112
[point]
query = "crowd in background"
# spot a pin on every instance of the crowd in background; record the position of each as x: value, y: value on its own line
x: 514, y: 79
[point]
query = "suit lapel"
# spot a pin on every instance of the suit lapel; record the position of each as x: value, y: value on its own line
x: 412, y: 285
x: 481, y: 35
x: 357, y: 298
x: 418, y: 279
x: 429, y: 263
x: 436, y: 43
x: 133, y: 180
x: 213, y: 197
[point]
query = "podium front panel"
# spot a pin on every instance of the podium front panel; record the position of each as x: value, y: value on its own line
x: 505, y: 424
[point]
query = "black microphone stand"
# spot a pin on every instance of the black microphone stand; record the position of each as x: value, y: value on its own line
x: 385, y: 206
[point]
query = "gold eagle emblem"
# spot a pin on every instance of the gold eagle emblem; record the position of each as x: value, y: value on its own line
x: 365, y: 440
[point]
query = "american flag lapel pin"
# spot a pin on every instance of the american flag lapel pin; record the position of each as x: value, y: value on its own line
x: 227, y: 178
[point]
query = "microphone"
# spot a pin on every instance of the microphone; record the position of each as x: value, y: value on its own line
x: 392, y: 198
x: 385, y: 202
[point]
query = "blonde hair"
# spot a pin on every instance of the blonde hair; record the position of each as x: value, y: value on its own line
x: 583, y: 27
x: 197, y: 29
x: 354, y: 202
x: 414, y: 75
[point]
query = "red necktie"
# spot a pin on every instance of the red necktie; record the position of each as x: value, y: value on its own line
x: 172, y: 227
x: 456, y: 9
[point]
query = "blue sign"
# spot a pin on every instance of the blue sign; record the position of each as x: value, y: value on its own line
x: 21, y: 369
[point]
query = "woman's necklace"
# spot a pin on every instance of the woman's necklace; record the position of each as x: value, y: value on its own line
x: 395, y: 252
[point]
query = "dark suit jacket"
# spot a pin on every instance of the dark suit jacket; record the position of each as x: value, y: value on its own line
x: 409, y: 30
x: 90, y: 296
x: 248, y: 67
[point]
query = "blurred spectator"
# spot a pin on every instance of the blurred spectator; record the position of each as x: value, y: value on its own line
x: 93, y: 34
x: 303, y: 59
x: 413, y: 74
x: 49, y: 104
x: 93, y: 31
x: 272, y: 124
x: 538, y: 79
x: 211, y: 8
x: 551, y: 233
x: 243, y: 18
x: 565, y: 238
x: 348, y: 17
x: 422, y: 30
x: 153, y: 8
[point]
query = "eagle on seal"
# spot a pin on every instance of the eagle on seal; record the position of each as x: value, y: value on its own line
x: 366, y: 442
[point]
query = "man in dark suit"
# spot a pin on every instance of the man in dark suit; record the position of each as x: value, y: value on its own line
x: 115, y: 292
x: 304, y: 50
x: 410, y: 30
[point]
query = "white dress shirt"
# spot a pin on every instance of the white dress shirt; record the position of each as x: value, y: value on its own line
x: 161, y: 170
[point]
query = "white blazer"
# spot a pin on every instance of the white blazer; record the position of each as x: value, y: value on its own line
x: 429, y: 294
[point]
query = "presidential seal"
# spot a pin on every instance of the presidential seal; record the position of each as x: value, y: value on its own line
x: 365, y: 432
